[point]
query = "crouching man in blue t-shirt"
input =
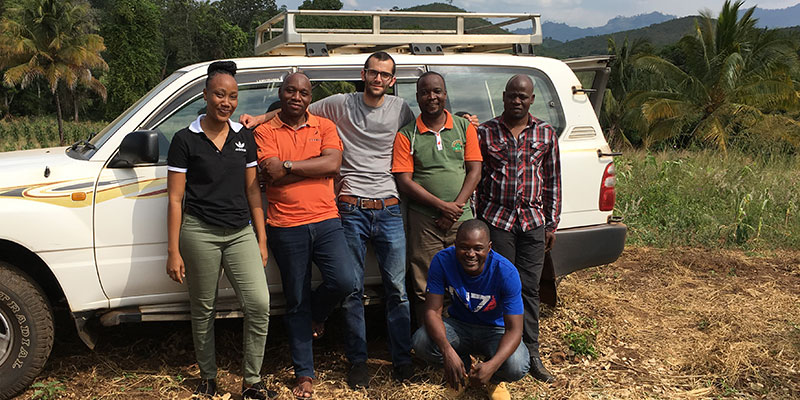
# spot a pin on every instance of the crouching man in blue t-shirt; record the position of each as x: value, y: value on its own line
x: 485, y: 315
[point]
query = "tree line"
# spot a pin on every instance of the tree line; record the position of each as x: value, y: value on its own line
x: 93, y: 59
x: 727, y: 83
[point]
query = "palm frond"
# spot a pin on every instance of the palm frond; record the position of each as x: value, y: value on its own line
x: 660, y: 109
x: 730, y: 72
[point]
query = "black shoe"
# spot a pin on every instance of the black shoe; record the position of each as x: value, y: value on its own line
x: 403, y: 373
x: 206, y: 389
x: 258, y: 391
x: 358, y: 377
x: 539, y: 372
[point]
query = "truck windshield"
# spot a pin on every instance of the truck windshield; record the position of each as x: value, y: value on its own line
x: 85, y: 152
x: 478, y: 90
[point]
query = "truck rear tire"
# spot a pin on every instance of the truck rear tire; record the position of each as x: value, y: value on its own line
x: 26, y: 330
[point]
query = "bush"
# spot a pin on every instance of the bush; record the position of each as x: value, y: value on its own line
x: 38, y: 132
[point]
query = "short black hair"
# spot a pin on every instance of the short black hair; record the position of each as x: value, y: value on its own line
x: 473, y: 225
x: 220, y: 67
x: 286, y: 78
x: 522, y: 77
x: 381, y: 56
x: 432, y: 73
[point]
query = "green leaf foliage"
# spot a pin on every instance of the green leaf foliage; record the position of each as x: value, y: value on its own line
x: 52, y: 40
x: 135, y: 50
x: 731, y: 77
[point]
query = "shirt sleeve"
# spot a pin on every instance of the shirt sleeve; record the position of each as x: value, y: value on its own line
x: 264, y: 137
x: 472, y: 151
x: 178, y: 154
x: 402, y: 160
x: 327, y: 107
x: 551, y: 188
x: 330, y: 136
x: 511, y: 292
x: 436, y: 279
x: 252, y: 148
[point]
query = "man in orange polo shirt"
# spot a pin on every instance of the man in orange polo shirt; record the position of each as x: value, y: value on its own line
x: 299, y: 154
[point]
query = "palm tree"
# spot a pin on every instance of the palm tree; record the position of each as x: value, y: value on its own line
x: 53, y: 40
x: 616, y: 116
x: 734, y: 76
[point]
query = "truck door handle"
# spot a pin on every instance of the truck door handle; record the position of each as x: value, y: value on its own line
x: 576, y: 90
x: 611, y: 154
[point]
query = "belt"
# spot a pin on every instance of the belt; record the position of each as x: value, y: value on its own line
x: 370, y: 204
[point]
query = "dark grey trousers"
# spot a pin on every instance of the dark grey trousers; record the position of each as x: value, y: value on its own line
x: 526, y: 251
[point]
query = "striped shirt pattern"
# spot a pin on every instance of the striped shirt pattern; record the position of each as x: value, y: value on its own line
x: 521, y: 178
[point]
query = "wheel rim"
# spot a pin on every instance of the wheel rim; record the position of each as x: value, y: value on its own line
x: 6, y: 336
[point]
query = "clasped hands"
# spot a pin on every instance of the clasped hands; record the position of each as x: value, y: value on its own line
x: 450, y: 212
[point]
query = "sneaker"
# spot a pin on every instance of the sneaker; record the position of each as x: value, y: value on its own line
x: 358, y: 377
x: 539, y: 372
x: 403, y: 373
x: 206, y: 389
x: 258, y: 391
x: 498, y: 392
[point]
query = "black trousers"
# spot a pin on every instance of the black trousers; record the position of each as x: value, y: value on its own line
x: 526, y: 251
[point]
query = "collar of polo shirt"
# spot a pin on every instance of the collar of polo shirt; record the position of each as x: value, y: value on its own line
x: 197, y: 128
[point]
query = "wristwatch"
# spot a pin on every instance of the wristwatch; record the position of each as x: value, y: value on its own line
x: 287, y: 165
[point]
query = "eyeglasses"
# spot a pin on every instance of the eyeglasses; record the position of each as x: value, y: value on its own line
x: 371, y: 74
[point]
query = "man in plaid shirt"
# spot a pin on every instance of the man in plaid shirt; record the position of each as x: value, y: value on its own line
x: 519, y: 197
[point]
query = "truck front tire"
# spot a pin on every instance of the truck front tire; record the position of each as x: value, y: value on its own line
x: 26, y: 330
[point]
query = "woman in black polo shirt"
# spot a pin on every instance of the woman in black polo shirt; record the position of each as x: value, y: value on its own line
x: 212, y: 164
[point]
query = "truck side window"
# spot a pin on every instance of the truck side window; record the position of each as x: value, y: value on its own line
x: 257, y: 90
x: 479, y: 90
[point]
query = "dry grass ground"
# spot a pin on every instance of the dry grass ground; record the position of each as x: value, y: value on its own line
x: 680, y: 323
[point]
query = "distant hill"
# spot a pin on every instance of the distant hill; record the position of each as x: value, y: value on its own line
x: 437, y: 23
x: 767, y: 18
x: 659, y: 35
x: 780, y: 18
x: 563, y: 32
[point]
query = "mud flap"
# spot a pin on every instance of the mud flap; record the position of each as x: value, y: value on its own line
x: 547, y: 283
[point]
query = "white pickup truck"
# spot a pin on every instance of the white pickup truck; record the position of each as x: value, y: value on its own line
x: 84, y: 227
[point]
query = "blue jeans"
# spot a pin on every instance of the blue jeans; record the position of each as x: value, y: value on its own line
x: 294, y: 249
x: 469, y: 339
x: 384, y: 228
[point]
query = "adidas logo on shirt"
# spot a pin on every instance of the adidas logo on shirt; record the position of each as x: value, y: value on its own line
x: 240, y: 147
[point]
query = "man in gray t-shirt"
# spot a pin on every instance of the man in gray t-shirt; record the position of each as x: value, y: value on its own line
x: 367, y: 158
x: 369, y: 208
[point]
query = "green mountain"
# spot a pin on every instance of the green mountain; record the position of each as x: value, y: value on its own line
x: 438, y: 23
x: 659, y: 35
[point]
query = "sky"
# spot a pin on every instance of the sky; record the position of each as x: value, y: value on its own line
x: 582, y: 13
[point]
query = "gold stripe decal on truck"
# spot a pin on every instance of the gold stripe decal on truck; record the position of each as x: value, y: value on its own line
x: 74, y: 193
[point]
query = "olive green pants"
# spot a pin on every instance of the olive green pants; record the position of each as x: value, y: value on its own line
x: 425, y: 239
x: 206, y: 250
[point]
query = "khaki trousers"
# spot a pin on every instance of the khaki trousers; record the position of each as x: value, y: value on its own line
x: 425, y: 239
x: 206, y: 251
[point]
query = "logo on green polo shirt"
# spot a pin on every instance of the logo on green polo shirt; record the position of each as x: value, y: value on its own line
x: 458, y: 146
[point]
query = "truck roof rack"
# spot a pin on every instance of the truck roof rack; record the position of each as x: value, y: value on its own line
x: 281, y: 36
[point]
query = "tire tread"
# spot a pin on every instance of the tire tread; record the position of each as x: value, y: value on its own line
x: 41, y: 315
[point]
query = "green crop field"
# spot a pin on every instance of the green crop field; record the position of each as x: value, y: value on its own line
x: 33, y: 133
x: 709, y: 199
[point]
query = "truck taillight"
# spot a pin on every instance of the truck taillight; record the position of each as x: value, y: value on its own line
x: 607, y: 194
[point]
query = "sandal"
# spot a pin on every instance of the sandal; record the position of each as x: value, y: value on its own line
x: 317, y: 330
x: 305, y: 394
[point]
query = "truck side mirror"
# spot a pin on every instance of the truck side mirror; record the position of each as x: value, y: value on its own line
x: 138, y: 147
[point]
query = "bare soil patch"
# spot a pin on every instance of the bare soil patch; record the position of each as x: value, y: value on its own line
x: 677, y: 323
